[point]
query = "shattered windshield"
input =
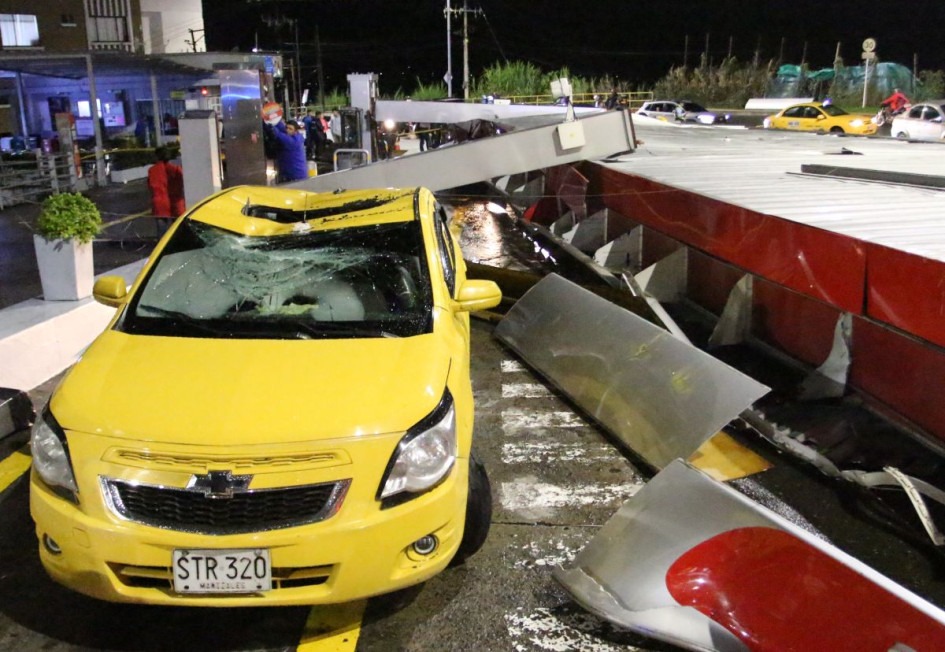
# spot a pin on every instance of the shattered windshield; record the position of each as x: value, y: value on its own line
x: 353, y: 282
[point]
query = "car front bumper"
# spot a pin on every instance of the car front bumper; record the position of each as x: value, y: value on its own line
x: 358, y: 552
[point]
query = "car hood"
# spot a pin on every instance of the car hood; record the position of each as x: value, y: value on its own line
x: 190, y: 390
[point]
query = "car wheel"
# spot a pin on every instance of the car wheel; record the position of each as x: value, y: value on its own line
x: 903, y: 135
x: 836, y: 130
x: 478, y: 512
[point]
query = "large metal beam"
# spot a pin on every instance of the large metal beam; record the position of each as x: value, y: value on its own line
x: 452, y: 112
x: 592, y: 137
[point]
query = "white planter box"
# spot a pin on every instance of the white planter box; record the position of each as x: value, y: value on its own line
x: 65, y: 269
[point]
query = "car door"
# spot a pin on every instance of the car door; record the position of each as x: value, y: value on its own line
x: 930, y: 126
x: 791, y: 118
x: 812, y: 119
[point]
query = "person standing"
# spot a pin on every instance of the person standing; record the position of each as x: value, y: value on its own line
x: 290, y: 161
x: 318, y: 133
x: 308, y: 122
x: 423, y: 133
x: 613, y: 101
x: 335, y: 126
x: 166, y: 183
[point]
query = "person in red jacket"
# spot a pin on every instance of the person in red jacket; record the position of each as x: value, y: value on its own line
x: 166, y: 183
x: 896, y: 102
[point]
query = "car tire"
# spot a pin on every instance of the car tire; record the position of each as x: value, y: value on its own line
x: 836, y: 130
x: 902, y: 135
x: 478, y: 512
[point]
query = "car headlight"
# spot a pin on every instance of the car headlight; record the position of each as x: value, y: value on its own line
x: 423, y: 457
x: 856, y: 123
x: 51, y: 455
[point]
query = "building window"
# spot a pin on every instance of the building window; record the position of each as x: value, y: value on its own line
x: 19, y: 30
x: 67, y: 20
x: 108, y: 21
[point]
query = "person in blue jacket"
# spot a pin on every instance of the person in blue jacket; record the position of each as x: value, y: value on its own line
x: 290, y: 160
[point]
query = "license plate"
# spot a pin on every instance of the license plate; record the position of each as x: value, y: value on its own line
x: 222, y: 571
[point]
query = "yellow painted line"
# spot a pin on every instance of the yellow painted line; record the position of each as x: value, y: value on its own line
x: 13, y: 466
x: 724, y: 459
x: 333, y: 628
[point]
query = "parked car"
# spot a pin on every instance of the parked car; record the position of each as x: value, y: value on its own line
x: 921, y: 122
x: 280, y: 412
x: 680, y: 111
x: 821, y: 118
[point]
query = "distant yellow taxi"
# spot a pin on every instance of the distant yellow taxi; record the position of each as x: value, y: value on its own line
x: 821, y: 118
x: 280, y: 412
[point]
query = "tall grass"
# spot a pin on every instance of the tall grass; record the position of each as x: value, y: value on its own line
x: 730, y: 84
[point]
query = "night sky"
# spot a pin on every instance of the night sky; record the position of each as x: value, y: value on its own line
x: 636, y: 42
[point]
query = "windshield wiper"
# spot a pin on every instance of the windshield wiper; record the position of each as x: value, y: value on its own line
x: 176, y: 315
x: 320, y: 328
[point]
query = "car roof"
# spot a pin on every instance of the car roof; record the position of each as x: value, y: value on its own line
x: 264, y: 211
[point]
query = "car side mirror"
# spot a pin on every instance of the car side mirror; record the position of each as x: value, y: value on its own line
x: 111, y: 291
x: 821, y: 116
x: 478, y: 295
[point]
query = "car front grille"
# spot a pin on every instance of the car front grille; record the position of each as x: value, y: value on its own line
x: 193, y: 510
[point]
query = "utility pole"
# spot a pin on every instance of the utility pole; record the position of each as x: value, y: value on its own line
x: 465, y: 52
x: 193, y: 38
x: 298, y: 65
x: 448, y: 12
x: 321, y: 72
x: 465, y: 11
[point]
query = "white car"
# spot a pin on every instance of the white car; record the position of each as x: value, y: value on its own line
x: 924, y: 121
x: 680, y: 111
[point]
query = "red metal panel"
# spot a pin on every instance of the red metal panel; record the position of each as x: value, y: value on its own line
x: 709, y: 281
x: 656, y: 247
x: 907, y: 291
x: 796, y: 324
x: 818, y: 263
x: 544, y: 211
x: 905, y: 373
x: 775, y: 592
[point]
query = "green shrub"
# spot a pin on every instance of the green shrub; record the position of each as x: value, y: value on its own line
x: 69, y: 216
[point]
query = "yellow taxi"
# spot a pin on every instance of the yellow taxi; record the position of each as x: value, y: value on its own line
x: 280, y: 412
x: 821, y: 118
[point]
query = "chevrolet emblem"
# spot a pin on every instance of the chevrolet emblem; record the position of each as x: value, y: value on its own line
x: 219, y: 484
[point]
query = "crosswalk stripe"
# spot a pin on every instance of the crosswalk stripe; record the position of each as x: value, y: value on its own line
x: 525, y: 390
x: 515, y: 419
x: 333, y: 628
x: 13, y: 466
x: 512, y: 366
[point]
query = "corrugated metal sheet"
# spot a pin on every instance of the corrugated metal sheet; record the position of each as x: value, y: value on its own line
x: 761, y: 171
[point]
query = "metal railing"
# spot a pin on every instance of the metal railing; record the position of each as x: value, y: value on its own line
x: 32, y: 176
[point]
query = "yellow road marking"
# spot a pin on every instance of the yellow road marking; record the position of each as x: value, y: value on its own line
x: 723, y: 458
x: 14, y: 466
x: 333, y: 628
